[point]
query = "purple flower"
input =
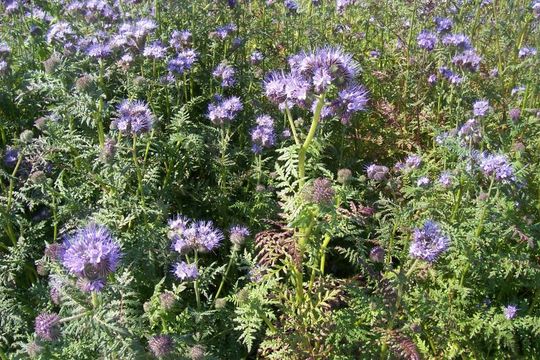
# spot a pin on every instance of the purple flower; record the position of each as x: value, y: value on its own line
x: 432, y: 79
x: 423, y: 181
x: 510, y: 311
x: 340, y: 66
x: 470, y: 132
x: 445, y: 180
x: 263, y: 135
x: 428, y: 242
x: 47, y: 326
x: 224, y: 31
x: 180, y: 39
x: 5, y: 50
x: 468, y: 60
x: 321, y: 191
x: 184, y: 271
x: 226, y: 73
x: 498, y: 166
x: 341, y: 5
x: 426, y: 40
x: 457, y: 40
x: 133, y: 117
x: 413, y: 161
x: 99, y: 51
x: 91, y: 253
x: 183, y: 62
x: 223, y: 111
x: 161, y: 345
x: 350, y: 100
x: 238, y: 234
x: 481, y: 108
x: 60, y: 32
x: 188, y: 235
x: 291, y: 5
x: 256, y: 57
x: 377, y: 172
x: 377, y: 254
x: 526, y: 52
x: 11, y: 156
x: 514, y: 114
x: 155, y: 50
x: 443, y: 24
x: 450, y: 75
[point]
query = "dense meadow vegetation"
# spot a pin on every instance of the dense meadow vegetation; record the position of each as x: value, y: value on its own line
x: 269, y: 179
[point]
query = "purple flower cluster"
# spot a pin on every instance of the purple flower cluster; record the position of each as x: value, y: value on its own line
x: 256, y: 57
x: 60, y: 32
x: 263, y: 134
x: 180, y: 39
x: 429, y: 242
x: 155, y: 50
x: 526, y: 52
x: 238, y: 234
x: 133, y: 34
x: 470, y: 132
x: 423, y: 181
x: 445, y: 180
x: 468, y: 60
x: 225, y: 73
x: 426, y: 40
x: 99, y: 51
x: 91, y: 254
x: 377, y: 172
x: 497, y: 166
x: 341, y: 5
x: 443, y: 24
x: 510, y: 311
x: 161, y: 345
x: 185, y: 272
x: 481, y: 108
x: 224, y: 31
x: 459, y: 41
x: 133, y: 117
x: 11, y: 155
x: 183, y: 62
x: 188, y: 235
x: 450, y: 76
x: 313, y: 74
x: 224, y: 110
x: 47, y: 326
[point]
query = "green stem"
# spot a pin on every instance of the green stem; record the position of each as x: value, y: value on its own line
x: 196, y: 284
x: 95, y: 299
x: 137, y: 168
x: 311, y: 134
x: 231, y: 260
x: 323, y: 252
x: 291, y: 124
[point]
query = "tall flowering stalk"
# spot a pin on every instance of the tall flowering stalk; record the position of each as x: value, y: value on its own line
x: 322, y: 81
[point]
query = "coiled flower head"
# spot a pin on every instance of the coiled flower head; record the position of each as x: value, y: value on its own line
x: 47, y: 326
x: 161, y: 345
x: 429, y: 242
x: 263, y: 135
x: 190, y: 235
x: 223, y: 111
x: 238, y: 234
x: 377, y: 172
x: 91, y: 254
x: 185, y: 271
x: 134, y: 117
